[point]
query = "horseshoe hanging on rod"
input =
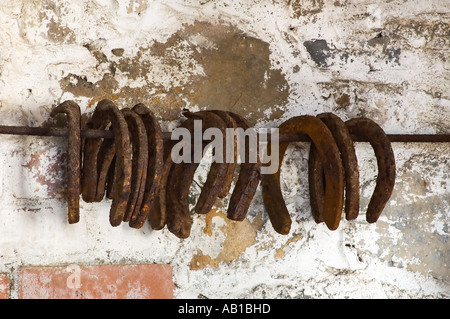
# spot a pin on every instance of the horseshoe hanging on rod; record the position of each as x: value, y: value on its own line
x: 144, y: 182
x: 72, y: 110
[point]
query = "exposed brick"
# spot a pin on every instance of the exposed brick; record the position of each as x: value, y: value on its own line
x: 97, y: 282
x: 4, y: 286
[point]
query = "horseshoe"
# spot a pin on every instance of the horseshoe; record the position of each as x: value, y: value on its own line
x: 89, y: 173
x: 139, y: 162
x: 154, y: 168
x: 158, y: 216
x: 381, y: 145
x: 350, y: 164
x: 248, y: 180
x: 228, y: 179
x: 104, y: 114
x: 220, y: 175
x: 105, y: 164
x: 110, y: 177
x: 72, y: 110
x: 328, y: 151
x: 180, y: 179
x: 316, y: 185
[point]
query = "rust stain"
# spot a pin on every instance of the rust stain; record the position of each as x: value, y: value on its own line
x: 280, y: 253
x: 239, y: 236
x: 209, y: 221
x: 48, y: 175
x: 343, y: 100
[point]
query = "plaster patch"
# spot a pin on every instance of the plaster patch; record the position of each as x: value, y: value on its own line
x: 239, y: 236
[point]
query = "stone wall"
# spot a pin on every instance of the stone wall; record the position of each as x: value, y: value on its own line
x: 266, y: 60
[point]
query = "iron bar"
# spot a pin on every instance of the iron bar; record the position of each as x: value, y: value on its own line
x: 91, y: 133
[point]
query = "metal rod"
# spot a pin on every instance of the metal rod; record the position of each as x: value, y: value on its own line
x: 90, y: 133
x: 414, y: 138
x: 52, y: 131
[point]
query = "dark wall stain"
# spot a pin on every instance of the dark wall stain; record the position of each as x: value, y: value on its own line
x: 322, y: 53
x: 319, y: 51
x: 393, y: 55
x: 389, y: 52
x: 237, y: 74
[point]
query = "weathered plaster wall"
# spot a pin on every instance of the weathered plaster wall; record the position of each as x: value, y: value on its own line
x: 267, y: 60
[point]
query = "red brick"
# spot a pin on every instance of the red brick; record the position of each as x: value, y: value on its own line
x: 97, y: 282
x: 4, y: 286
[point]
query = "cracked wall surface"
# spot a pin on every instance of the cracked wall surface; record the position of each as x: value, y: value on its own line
x: 267, y: 60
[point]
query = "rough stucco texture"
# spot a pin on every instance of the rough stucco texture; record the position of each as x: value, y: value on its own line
x: 269, y: 61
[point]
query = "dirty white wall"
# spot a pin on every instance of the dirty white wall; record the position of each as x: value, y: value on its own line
x: 267, y: 60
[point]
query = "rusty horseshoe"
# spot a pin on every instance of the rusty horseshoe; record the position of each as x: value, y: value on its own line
x: 328, y: 152
x: 154, y: 165
x: 106, y: 113
x: 350, y: 163
x: 181, y: 176
x: 72, y: 110
x: 368, y: 129
x: 221, y: 173
x: 139, y: 162
x: 248, y: 180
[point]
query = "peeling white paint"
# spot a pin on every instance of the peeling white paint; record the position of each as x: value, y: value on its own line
x: 405, y: 254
